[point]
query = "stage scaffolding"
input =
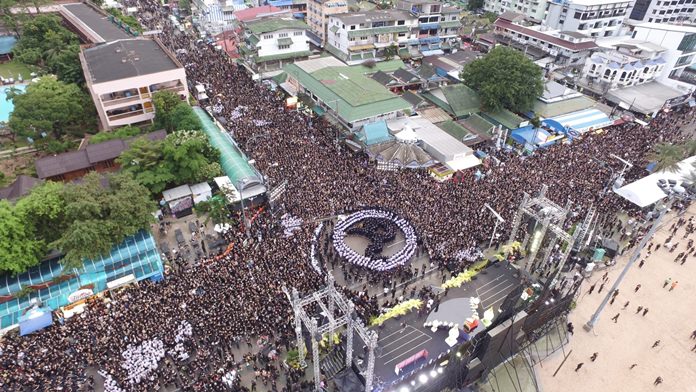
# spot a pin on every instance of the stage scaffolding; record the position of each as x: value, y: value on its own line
x: 339, y: 312
x: 552, y: 236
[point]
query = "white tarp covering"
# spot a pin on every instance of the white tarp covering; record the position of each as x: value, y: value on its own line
x: 645, y: 191
x: 201, y: 192
x: 177, y: 193
x: 225, y: 185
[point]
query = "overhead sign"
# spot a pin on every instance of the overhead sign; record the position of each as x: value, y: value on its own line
x: 80, y: 294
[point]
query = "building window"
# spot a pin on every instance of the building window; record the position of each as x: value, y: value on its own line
x: 400, y: 22
x: 282, y: 35
x: 352, y: 27
x: 298, y: 33
x: 268, y: 36
x: 283, y: 46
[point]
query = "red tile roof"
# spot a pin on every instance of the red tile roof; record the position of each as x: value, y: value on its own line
x: 252, y: 13
x: 504, y: 24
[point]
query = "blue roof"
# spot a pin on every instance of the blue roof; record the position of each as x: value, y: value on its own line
x: 280, y: 3
x: 374, y: 133
x: 137, y: 255
x: 582, y: 120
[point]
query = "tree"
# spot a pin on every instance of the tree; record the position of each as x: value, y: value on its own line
x: 45, y: 42
x: 19, y: 249
x: 535, y: 122
x: 667, y: 157
x: 390, y: 51
x: 165, y: 102
x: 215, y: 209
x: 50, y: 106
x: 43, y: 210
x: 190, y: 157
x: 126, y: 132
x: 144, y: 160
x: 100, y: 217
x: 185, y: 6
x: 505, y: 78
x: 184, y: 118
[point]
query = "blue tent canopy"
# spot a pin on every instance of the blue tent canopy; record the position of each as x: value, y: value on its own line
x: 374, y: 133
x: 34, y: 320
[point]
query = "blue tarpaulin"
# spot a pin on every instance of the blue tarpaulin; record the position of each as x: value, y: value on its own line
x: 374, y: 133
x: 34, y: 320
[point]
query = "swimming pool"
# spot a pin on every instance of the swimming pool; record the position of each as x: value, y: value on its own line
x: 6, y: 106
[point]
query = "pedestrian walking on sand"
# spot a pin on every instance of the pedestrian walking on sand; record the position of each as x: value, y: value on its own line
x: 632, y: 366
x: 626, y: 304
x: 657, y: 343
x: 616, y: 318
x: 592, y: 288
x: 674, y: 285
x: 578, y: 367
x: 615, y: 293
x: 642, y: 262
x: 636, y: 289
x: 667, y: 282
x: 601, y: 287
x: 658, y: 381
x: 594, y: 357
x: 693, y: 334
x: 645, y: 311
x: 612, y: 300
x: 639, y: 309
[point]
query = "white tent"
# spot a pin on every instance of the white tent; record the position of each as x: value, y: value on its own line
x: 201, y: 192
x: 645, y: 191
x: 177, y: 193
x: 225, y: 184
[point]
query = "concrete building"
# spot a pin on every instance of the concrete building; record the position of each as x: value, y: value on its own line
x: 680, y: 53
x: 664, y: 11
x: 594, y: 18
x: 318, y: 12
x: 565, y: 47
x: 624, y: 62
x: 438, y: 27
x: 272, y: 42
x: 532, y: 9
x: 362, y: 36
x: 122, y: 75
x: 347, y: 93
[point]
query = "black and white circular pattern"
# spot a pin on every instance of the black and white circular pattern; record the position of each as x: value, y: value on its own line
x: 401, y: 257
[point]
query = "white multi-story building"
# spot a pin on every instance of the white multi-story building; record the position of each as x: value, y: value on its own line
x: 122, y: 75
x: 318, y: 12
x: 664, y: 11
x: 623, y: 62
x: 531, y: 9
x: 273, y: 41
x: 438, y: 26
x: 361, y: 36
x: 594, y: 18
x: 567, y: 48
x: 680, y: 53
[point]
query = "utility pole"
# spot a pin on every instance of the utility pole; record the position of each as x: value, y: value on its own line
x: 636, y: 253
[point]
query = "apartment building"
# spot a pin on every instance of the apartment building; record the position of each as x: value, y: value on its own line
x: 664, y: 11
x: 532, y: 9
x: 623, y: 61
x: 438, y: 26
x: 594, y: 18
x: 271, y: 42
x: 566, y: 47
x: 679, y: 56
x: 318, y: 13
x: 361, y: 36
x: 122, y: 75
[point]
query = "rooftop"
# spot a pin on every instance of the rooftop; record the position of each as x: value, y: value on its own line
x: 82, y: 159
x: 545, y: 36
x: 96, y: 21
x: 126, y: 59
x: 252, y: 13
x: 372, y: 16
x: 349, y: 90
x: 267, y: 25
x: 666, y: 27
x: 589, y: 3
x: 19, y: 187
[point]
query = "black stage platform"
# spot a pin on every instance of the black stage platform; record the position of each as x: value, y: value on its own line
x: 398, y: 342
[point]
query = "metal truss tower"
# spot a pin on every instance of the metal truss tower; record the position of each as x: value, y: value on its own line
x: 339, y: 312
x: 552, y: 217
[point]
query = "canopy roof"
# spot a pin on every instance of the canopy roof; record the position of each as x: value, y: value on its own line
x: 645, y: 191
x: 234, y: 162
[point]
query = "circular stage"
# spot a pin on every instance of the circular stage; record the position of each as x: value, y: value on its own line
x: 375, y: 239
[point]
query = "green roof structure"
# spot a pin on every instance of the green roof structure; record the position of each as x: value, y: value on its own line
x: 555, y: 109
x: 458, y: 100
x: 234, y: 163
x: 268, y: 25
x: 349, y: 91
x: 504, y: 117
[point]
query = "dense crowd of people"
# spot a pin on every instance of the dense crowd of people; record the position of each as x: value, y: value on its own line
x: 226, y: 302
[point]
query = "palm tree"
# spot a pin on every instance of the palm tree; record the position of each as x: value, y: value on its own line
x: 667, y: 157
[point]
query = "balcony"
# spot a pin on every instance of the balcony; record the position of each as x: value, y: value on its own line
x: 121, y: 116
x: 120, y: 101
